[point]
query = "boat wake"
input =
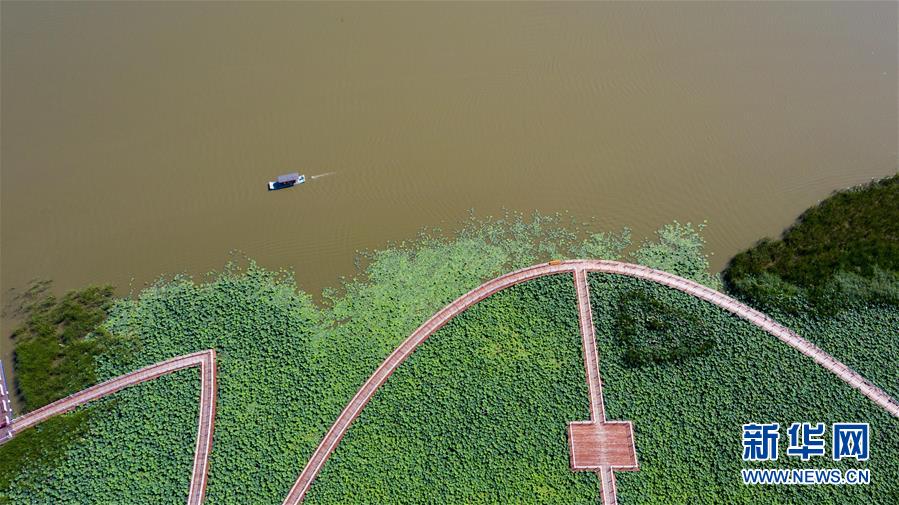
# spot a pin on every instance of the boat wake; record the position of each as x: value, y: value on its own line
x: 322, y: 175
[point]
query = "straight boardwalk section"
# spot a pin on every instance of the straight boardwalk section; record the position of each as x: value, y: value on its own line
x: 383, y: 372
x: 588, y: 338
x: 607, y: 489
x: 205, y: 360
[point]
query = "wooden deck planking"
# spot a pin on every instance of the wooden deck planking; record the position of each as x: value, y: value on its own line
x: 382, y: 373
x: 598, y: 445
x: 595, y: 446
x: 588, y: 341
x: 206, y: 362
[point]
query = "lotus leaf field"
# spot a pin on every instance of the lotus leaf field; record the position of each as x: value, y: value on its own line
x: 688, y: 414
x: 478, y: 414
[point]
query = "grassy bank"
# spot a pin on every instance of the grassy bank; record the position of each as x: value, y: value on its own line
x: 834, y: 277
x: 56, y: 345
x: 54, y: 357
x: 846, y: 248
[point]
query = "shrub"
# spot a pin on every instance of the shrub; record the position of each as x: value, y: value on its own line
x: 853, y: 231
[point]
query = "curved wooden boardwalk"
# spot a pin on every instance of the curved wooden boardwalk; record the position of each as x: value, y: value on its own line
x: 204, y: 359
x: 383, y: 372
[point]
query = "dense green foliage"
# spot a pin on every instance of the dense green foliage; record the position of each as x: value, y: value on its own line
x: 834, y: 277
x: 54, y: 356
x: 652, y: 330
x: 687, y: 415
x: 137, y: 448
x: 287, y: 367
x: 863, y: 337
x: 855, y: 231
x: 56, y: 345
x: 478, y: 414
x: 44, y: 445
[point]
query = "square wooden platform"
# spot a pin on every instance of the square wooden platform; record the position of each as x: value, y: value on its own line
x: 608, y: 444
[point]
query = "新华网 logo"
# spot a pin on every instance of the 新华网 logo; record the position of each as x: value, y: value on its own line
x: 805, y: 441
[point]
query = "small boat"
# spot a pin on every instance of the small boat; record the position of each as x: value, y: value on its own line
x: 286, y: 181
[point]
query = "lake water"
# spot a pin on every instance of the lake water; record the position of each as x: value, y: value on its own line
x: 137, y: 139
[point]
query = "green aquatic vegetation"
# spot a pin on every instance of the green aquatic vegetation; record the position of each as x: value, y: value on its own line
x: 267, y: 418
x: 56, y: 345
x: 287, y: 367
x: 602, y: 245
x: 678, y: 249
x: 861, y: 336
x: 687, y: 415
x: 848, y: 289
x: 54, y: 357
x: 478, y: 414
x: 136, y: 448
x: 854, y: 231
x: 769, y: 293
x: 651, y: 330
x: 44, y: 445
x: 834, y: 277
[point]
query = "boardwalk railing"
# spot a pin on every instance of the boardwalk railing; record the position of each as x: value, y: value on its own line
x: 383, y: 372
x: 205, y: 360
